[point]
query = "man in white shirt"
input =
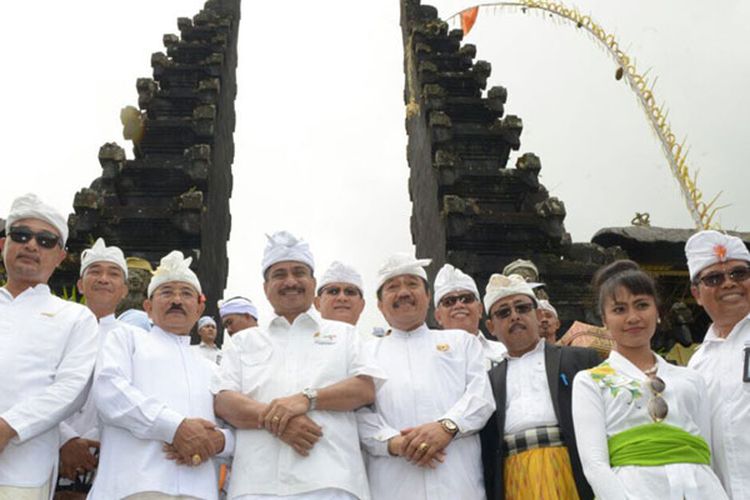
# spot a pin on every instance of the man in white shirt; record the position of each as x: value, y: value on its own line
x: 421, y: 434
x: 290, y: 389
x: 719, y: 266
x: 152, y: 393
x: 48, y: 353
x: 340, y: 296
x: 457, y: 306
x: 237, y: 314
x: 207, y: 332
x: 528, y: 446
x: 103, y: 282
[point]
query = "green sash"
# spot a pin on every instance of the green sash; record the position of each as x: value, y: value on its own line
x: 657, y: 444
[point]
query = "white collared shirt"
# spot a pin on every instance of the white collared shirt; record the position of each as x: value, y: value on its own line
x: 146, y: 383
x: 528, y: 402
x: 282, y: 360
x: 494, y: 352
x: 432, y: 374
x: 47, y: 356
x: 618, y: 401
x: 721, y: 362
x: 210, y: 352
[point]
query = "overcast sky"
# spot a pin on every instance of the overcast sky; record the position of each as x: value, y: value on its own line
x: 320, y: 138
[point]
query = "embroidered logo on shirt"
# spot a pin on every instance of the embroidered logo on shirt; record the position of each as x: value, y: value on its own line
x: 324, y: 338
x: 442, y: 347
x: 49, y: 315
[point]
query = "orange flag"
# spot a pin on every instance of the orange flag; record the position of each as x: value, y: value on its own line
x: 468, y: 18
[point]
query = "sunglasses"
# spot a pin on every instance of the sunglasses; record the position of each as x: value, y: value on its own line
x: 738, y: 274
x: 520, y: 309
x: 465, y: 298
x: 657, y: 406
x: 44, y: 239
x: 348, y: 291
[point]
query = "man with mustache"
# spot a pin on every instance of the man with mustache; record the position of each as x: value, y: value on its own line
x: 528, y: 446
x: 103, y: 282
x: 719, y: 266
x: 340, y: 295
x: 421, y: 435
x: 151, y: 390
x: 457, y: 306
x: 290, y: 389
x: 48, y: 353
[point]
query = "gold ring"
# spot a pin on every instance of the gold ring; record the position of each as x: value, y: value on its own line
x: 275, y: 418
x: 423, y: 447
x: 197, y: 459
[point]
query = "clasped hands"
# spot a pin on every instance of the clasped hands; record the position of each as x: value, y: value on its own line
x: 285, y: 418
x: 423, y: 445
x: 195, y: 441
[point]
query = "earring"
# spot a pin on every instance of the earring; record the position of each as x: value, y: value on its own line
x: 658, y: 321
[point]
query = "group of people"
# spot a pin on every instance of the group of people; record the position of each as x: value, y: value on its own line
x: 303, y: 407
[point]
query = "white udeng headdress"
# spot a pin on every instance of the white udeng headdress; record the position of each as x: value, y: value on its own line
x: 544, y: 304
x: 710, y: 247
x: 402, y: 263
x: 283, y: 246
x: 339, y: 272
x: 102, y: 253
x: 174, y: 267
x: 30, y: 206
x: 237, y: 305
x: 501, y: 286
x: 451, y: 279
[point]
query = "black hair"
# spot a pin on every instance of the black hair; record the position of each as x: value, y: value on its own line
x: 626, y: 274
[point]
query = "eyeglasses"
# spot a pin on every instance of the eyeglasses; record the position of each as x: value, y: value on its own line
x: 520, y: 309
x: 44, y: 239
x: 657, y: 406
x: 465, y: 298
x: 348, y: 291
x: 738, y: 274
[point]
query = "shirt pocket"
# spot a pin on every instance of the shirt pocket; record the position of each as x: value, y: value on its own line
x: 327, y: 362
x: 255, y: 368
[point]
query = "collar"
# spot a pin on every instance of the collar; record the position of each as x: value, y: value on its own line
x: 537, y: 349
x: 206, y: 346
x: 311, y: 315
x: 182, y: 339
x: 40, y: 289
x: 624, y: 365
x: 108, y: 320
x: 711, y: 335
x: 420, y: 330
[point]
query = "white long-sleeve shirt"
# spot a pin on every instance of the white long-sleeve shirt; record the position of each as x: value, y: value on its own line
x: 619, y: 401
x: 210, y: 352
x: 146, y: 383
x: 432, y: 374
x: 493, y: 351
x: 47, y: 356
x: 721, y: 363
x: 282, y: 360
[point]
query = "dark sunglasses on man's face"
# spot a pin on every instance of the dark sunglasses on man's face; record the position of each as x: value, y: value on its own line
x: 738, y: 274
x: 44, y: 239
x: 521, y: 309
x: 466, y: 298
x: 335, y: 290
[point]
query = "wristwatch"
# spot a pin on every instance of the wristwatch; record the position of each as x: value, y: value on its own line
x: 312, y: 396
x: 449, y: 426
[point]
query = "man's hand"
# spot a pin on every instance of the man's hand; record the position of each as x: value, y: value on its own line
x: 424, y: 443
x: 193, y: 438
x: 6, y: 433
x: 277, y: 414
x: 301, y: 434
x: 76, y: 457
x: 217, y: 440
x: 395, y: 448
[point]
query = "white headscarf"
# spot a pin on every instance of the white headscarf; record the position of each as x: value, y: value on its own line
x: 206, y: 320
x: 284, y: 246
x: 174, y: 267
x: 102, y: 253
x: 450, y: 279
x: 709, y: 247
x: 501, y: 286
x: 402, y: 263
x: 29, y: 206
x: 237, y: 305
x: 339, y: 272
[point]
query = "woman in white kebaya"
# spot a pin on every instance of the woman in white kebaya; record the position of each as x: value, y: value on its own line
x: 642, y: 425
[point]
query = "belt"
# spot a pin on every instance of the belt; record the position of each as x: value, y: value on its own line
x: 536, y: 437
